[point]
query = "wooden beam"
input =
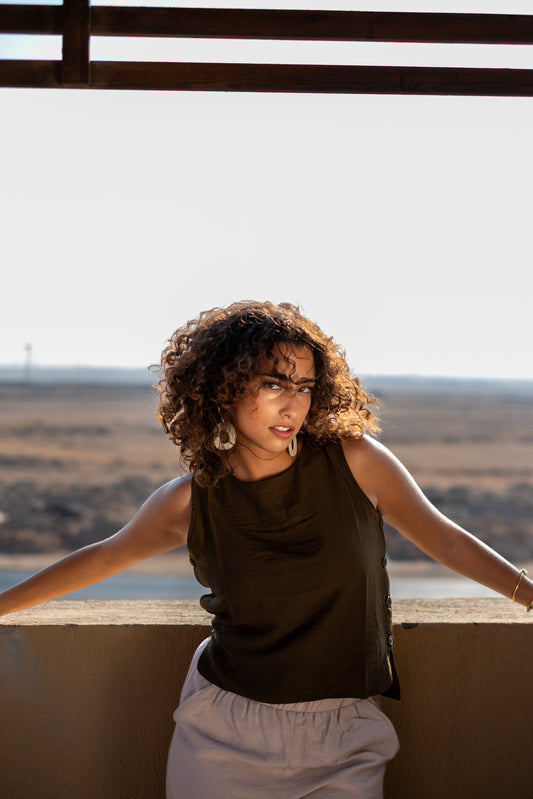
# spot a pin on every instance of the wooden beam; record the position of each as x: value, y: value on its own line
x: 375, y: 26
x: 30, y: 74
x: 76, y: 28
x: 297, y: 78
x: 321, y: 79
x: 76, y: 21
x: 31, y: 19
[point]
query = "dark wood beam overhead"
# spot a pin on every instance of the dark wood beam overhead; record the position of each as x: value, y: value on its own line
x: 31, y: 19
x: 76, y: 33
x: 296, y: 78
x: 76, y: 21
x: 340, y: 26
x: 226, y: 23
x: 304, y: 78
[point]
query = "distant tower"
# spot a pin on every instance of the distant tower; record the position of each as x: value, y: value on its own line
x: 27, y: 366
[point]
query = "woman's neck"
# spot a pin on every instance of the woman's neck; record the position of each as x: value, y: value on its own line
x: 249, y: 466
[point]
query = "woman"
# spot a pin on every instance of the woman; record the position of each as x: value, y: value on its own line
x: 282, y: 512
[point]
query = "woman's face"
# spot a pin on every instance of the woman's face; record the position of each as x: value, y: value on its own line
x: 276, y: 401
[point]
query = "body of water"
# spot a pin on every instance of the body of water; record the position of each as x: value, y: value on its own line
x: 163, y: 586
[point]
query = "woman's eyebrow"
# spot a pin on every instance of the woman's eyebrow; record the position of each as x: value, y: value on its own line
x: 286, y: 379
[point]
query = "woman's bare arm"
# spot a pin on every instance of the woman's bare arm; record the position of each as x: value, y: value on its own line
x: 160, y: 525
x: 402, y: 504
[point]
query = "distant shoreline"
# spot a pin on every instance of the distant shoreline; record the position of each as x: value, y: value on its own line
x: 172, y: 563
x: 177, y: 564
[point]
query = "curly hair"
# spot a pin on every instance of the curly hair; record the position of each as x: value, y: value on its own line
x: 208, y: 362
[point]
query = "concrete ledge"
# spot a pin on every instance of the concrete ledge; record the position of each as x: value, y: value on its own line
x: 87, y: 691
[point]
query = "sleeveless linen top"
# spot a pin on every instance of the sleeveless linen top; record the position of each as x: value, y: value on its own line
x: 296, y: 567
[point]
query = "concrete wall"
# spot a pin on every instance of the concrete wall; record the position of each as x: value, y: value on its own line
x: 87, y: 691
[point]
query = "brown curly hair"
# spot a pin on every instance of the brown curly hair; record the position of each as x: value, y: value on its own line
x: 208, y: 362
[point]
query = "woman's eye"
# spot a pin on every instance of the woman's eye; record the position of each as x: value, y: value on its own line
x: 271, y: 385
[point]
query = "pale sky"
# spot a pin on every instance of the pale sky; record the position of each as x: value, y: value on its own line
x: 402, y: 225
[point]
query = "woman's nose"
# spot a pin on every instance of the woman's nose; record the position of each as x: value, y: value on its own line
x: 290, y: 399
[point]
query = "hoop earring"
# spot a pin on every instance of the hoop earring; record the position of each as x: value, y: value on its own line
x: 293, y: 447
x: 227, y: 432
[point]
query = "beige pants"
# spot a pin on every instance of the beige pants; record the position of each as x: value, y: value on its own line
x: 228, y: 747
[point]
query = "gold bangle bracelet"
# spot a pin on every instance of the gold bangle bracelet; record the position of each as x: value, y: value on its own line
x: 523, y: 572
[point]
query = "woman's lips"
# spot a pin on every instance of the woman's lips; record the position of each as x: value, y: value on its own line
x: 283, y: 431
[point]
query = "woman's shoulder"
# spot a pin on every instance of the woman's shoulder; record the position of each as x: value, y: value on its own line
x: 367, y: 460
x: 364, y: 449
x: 180, y: 485
x: 174, y: 497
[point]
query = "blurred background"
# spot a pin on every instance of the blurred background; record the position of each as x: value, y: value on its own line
x: 400, y: 224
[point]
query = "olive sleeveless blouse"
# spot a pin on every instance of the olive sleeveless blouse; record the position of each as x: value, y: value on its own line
x: 298, y: 584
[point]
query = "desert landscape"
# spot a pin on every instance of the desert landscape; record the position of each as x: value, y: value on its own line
x: 77, y: 459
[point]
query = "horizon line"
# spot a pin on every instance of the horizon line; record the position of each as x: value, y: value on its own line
x: 22, y: 371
